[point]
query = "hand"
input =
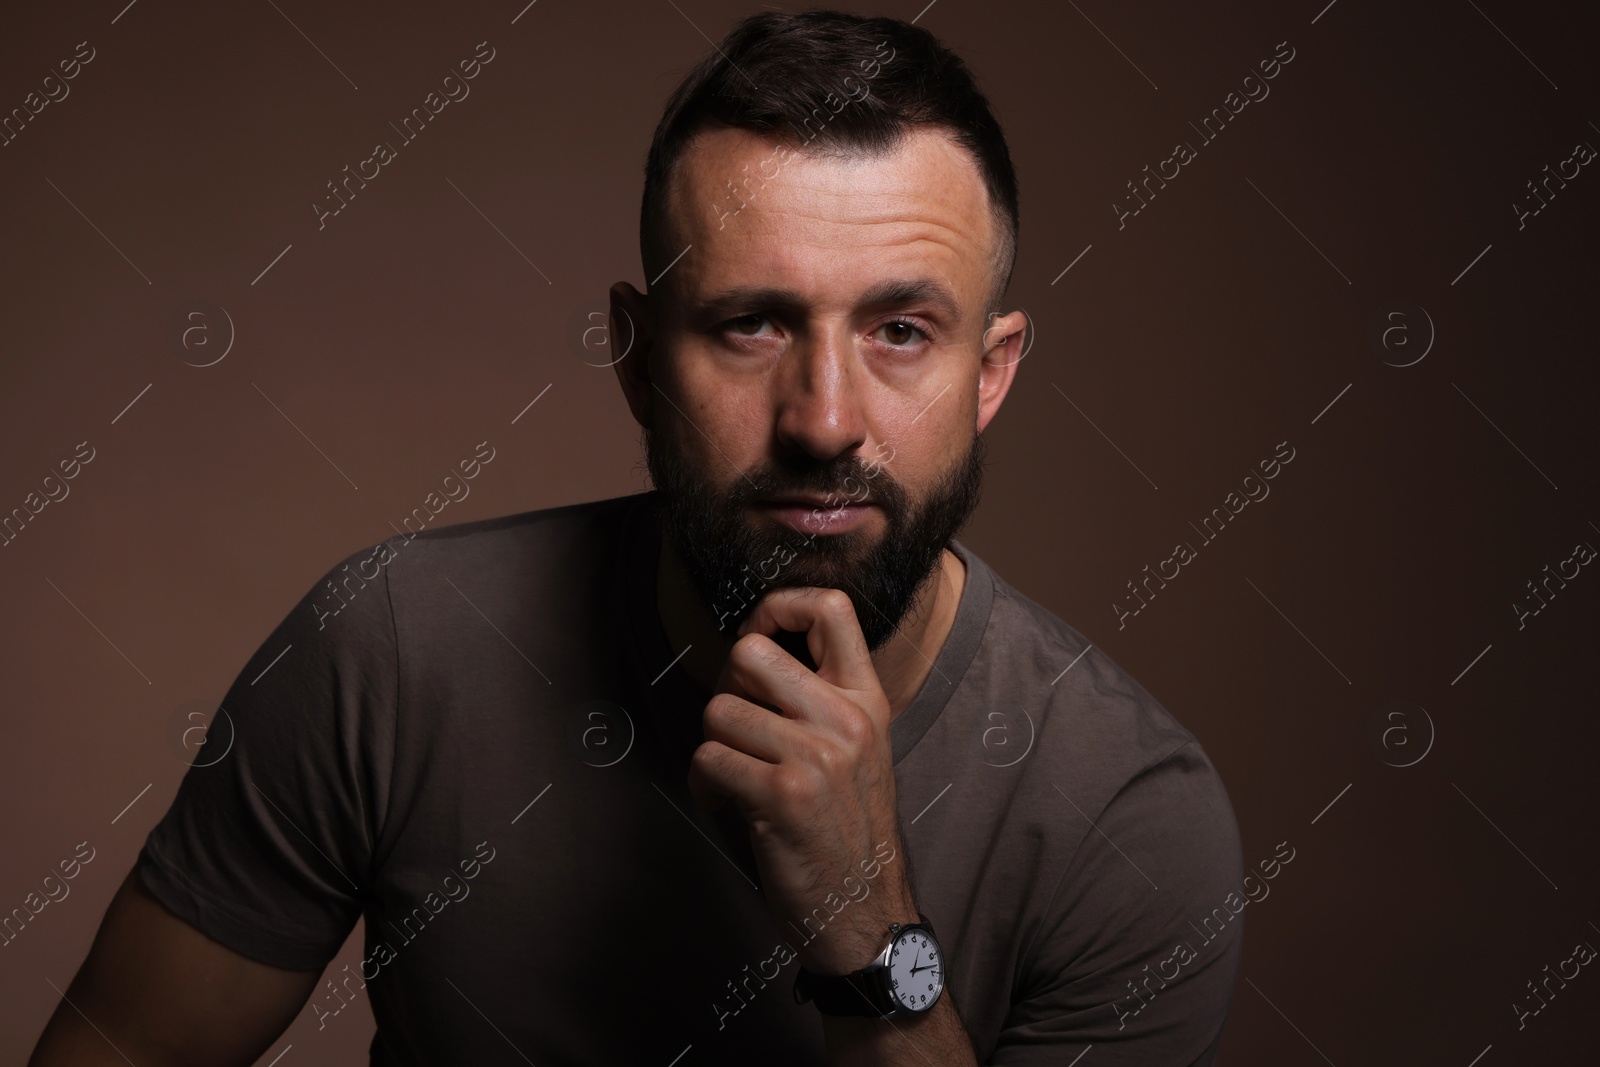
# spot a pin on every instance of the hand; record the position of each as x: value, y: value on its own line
x: 815, y: 780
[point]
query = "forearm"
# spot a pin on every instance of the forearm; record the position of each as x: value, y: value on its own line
x: 936, y: 1038
x: 69, y: 1041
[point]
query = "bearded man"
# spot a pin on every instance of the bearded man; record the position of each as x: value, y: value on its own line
x: 762, y: 765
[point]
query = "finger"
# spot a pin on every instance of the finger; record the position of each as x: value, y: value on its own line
x: 705, y: 797
x: 833, y: 633
x: 753, y: 730
x: 717, y: 769
x: 762, y: 672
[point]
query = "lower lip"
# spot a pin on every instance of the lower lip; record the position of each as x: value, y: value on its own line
x: 819, y: 519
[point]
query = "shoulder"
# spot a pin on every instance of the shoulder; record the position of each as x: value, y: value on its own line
x: 1087, y: 703
x: 1120, y: 827
x: 510, y: 551
x: 507, y: 538
x: 1102, y: 749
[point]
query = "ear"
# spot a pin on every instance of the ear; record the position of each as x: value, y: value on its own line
x: 1002, y: 351
x: 632, y: 332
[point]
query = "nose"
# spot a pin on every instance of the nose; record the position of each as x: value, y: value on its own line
x: 818, y: 399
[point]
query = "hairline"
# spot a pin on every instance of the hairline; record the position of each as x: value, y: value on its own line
x: 1002, y: 259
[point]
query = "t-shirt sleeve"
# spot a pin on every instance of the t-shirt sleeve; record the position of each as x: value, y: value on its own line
x: 1138, y: 951
x: 268, y: 846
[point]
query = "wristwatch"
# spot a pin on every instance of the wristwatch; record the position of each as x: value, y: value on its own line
x: 906, y: 978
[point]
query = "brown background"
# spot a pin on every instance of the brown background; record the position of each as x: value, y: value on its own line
x: 1199, y: 336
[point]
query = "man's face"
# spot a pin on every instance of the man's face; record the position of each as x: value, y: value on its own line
x: 817, y: 382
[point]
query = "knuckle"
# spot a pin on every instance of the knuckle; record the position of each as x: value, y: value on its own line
x: 722, y: 708
x: 856, y: 729
x: 836, y: 602
x: 704, y: 757
x: 748, y: 650
x: 792, y: 788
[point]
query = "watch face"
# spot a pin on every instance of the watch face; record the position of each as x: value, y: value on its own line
x: 916, y: 971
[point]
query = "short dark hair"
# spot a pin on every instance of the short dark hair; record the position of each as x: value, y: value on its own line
x: 774, y: 73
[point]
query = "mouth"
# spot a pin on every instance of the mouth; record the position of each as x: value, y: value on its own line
x: 814, y: 515
x: 820, y: 503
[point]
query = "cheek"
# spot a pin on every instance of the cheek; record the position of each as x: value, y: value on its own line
x: 910, y: 477
x: 930, y: 448
x: 728, y: 412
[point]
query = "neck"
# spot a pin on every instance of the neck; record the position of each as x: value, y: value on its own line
x: 902, y: 664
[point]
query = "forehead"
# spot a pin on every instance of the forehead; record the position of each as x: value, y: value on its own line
x: 755, y: 211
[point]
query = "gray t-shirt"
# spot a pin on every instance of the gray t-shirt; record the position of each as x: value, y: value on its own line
x: 474, y: 737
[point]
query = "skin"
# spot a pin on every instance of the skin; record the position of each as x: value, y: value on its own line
x: 740, y: 383
x: 157, y: 992
x: 815, y: 782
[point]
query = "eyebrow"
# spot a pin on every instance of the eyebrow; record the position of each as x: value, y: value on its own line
x: 894, y: 293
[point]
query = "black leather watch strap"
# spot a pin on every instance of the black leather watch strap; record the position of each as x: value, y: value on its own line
x: 844, y: 994
x: 864, y: 992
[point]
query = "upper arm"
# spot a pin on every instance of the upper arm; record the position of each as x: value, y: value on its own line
x: 158, y: 992
x: 1139, y: 949
x: 252, y: 880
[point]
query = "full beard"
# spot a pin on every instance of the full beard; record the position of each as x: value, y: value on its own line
x: 732, y: 562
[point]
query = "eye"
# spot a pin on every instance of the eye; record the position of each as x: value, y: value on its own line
x: 902, y: 332
x: 746, y: 325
